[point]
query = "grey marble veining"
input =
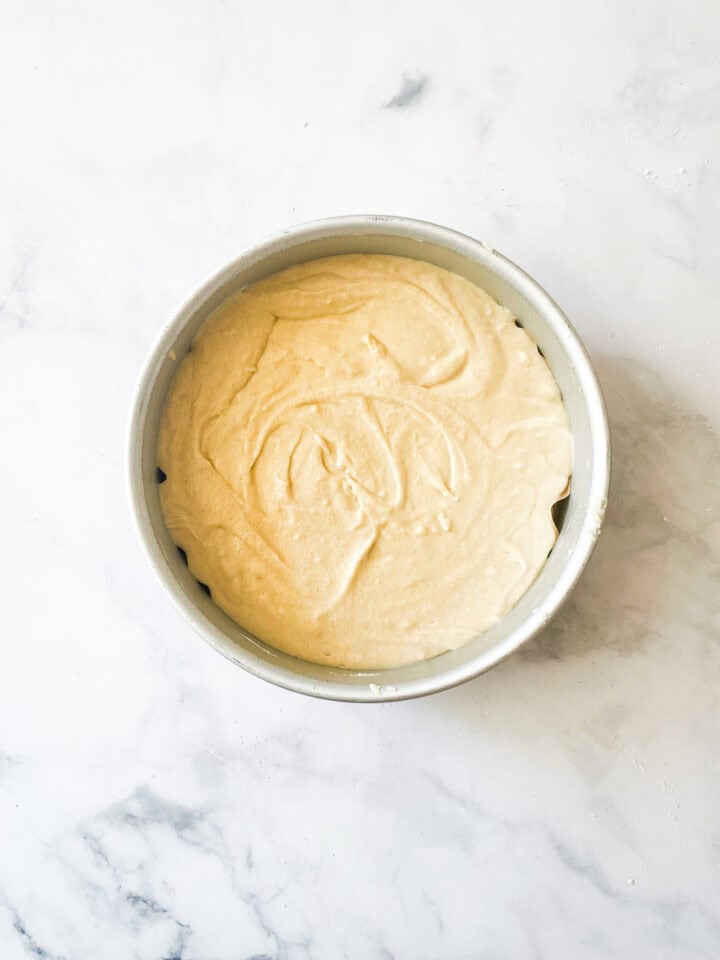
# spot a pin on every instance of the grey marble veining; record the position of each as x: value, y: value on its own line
x: 155, y: 802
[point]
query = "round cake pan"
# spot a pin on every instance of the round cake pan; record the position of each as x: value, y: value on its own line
x: 579, y: 521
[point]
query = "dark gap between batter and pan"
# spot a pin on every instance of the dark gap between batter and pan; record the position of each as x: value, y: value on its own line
x: 161, y: 477
x: 559, y: 511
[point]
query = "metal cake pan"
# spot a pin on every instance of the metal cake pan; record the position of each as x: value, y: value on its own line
x: 570, y: 365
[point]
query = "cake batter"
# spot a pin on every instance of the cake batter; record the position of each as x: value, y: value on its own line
x: 362, y: 454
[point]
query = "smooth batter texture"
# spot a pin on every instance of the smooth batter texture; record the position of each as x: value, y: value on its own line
x: 362, y: 453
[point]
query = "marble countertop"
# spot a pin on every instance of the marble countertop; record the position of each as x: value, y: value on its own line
x: 156, y: 802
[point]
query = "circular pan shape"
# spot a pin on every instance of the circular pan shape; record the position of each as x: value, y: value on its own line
x: 568, y: 361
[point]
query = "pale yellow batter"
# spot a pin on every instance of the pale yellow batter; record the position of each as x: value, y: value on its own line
x: 362, y: 454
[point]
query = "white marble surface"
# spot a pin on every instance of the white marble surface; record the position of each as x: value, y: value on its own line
x: 155, y: 802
